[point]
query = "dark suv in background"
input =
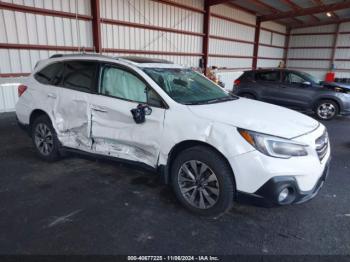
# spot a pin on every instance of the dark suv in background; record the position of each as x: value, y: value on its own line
x: 295, y: 89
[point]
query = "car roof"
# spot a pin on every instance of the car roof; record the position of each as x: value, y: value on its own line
x: 137, y: 61
x: 271, y: 69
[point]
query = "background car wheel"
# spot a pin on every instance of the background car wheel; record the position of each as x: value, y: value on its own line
x: 247, y: 95
x: 203, y: 181
x: 45, y: 139
x: 326, y: 109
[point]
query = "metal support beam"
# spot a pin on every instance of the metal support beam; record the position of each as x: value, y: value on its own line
x: 286, y: 47
x: 320, y: 2
x: 96, y: 25
x: 296, y: 7
x: 42, y: 11
x: 256, y: 43
x: 272, y: 9
x: 334, y: 47
x: 307, y: 11
x: 217, y: 2
x: 333, y: 21
x: 206, y: 31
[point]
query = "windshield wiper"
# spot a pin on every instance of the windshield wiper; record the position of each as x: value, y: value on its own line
x: 216, y: 100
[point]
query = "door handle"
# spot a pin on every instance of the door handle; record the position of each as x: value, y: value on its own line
x: 99, y: 108
x: 51, y: 95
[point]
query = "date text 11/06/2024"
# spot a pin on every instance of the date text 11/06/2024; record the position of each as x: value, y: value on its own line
x: 173, y: 258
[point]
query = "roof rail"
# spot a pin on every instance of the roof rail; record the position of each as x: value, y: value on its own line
x: 79, y: 54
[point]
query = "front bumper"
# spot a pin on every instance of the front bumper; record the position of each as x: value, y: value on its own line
x: 267, y: 194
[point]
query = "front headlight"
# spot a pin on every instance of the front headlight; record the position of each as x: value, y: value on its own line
x: 273, y: 146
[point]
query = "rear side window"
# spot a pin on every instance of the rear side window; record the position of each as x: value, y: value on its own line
x: 51, y: 74
x: 247, y: 76
x: 79, y: 75
x: 268, y: 76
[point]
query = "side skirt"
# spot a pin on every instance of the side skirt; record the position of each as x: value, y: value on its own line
x: 135, y: 164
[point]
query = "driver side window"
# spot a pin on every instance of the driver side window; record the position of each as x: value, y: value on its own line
x: 119, y: 83
x: 292, y: 78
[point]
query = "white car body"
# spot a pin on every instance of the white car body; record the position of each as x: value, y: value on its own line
x: 103, y: 125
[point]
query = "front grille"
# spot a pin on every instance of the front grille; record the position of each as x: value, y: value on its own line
x: 322, y: 145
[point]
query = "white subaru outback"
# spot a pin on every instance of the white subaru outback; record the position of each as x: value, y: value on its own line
x: 211, y: 146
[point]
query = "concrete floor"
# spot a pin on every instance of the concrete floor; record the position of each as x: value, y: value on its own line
x: 83, y: 206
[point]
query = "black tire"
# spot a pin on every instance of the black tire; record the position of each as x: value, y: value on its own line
x: 326, y: 109
x: 42, y: 123
x: 222, y: 171
x: 248, y: 95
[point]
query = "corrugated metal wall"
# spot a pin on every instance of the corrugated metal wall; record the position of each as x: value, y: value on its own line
x: 310, y: 49
x: 131, y: 12
x: 272, y: 44
x: 8, y: 94
x: 239, y: 37
x: 34, y: 29
x: 132, y: 27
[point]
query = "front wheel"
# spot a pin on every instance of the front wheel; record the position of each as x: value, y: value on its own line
x: 326, y: 109
x: 203, y: 181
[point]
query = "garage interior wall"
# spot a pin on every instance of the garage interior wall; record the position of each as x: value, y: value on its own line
x: 315, y: 49
x: 31, y: 30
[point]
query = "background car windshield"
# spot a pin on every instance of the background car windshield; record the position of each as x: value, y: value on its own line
x: 311, y: 77
x: 187, y: 86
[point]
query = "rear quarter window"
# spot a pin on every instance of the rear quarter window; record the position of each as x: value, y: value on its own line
x: 247, y: 76
x: 51, y: 74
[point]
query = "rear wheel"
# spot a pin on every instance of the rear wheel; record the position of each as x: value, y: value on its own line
x: 203, y: 181
x: 326, y: 109
x: 45, y: 139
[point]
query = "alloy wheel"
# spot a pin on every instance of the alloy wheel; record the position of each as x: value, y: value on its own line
x: 43, y: 139
x: 198, y: 184
x: 326, y: 110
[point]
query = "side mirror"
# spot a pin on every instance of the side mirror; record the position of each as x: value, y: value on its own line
x: 139, y: 113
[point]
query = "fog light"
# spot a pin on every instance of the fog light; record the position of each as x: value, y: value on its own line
x: 283, y: 195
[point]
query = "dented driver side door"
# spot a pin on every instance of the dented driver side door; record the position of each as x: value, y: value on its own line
x: 114, y: 131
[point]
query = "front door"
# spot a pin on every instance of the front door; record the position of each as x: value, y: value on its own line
x: 114, y: 131
x: 297, y: 92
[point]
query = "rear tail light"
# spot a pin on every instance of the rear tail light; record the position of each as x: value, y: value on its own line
x: 21, y: 90
x: 237, y: 82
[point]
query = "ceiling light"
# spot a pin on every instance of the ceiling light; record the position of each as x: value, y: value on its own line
x: 328, y: 14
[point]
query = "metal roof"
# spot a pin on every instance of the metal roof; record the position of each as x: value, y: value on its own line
x: 295, y: 13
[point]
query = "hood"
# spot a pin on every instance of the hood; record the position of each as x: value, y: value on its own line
x: 257, y: 116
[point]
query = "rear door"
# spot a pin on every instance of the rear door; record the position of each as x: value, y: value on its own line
x: 72, y: 110
x: 45, y: 91
x: 297, y: 91
x: 269, y: 82
x: 114, y: 131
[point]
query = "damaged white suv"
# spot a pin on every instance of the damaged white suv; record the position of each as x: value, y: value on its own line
x: 211, y: 146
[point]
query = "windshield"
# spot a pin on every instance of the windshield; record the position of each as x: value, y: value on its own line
x: 311, y: 77
x: 187, y: 86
